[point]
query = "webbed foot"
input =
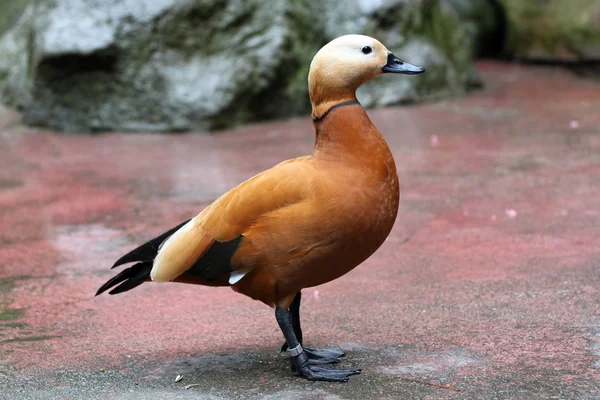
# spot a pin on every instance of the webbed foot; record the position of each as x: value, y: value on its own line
x: 320, y: 356
x: 302, y: 365
x: 323, y: 356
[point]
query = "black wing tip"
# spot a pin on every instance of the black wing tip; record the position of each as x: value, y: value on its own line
x: 103, y: 288
x: 148, y: 250
x: 127, y: 279
x: 100, y: 291
x: 136, y: 274
x: 115, y: 280
x: 125, y: 286
x: 144, y: 253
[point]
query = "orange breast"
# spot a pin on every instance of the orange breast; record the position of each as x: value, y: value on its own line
x: 348, y: 212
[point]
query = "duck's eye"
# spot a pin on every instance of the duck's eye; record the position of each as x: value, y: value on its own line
x: 366, y: 49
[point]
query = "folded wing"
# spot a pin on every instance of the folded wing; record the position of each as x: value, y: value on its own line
x: 201, y: 249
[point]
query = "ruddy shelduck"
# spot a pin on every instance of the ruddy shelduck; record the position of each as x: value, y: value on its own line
x: 302, y: 223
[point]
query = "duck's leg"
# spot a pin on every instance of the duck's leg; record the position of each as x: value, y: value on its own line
x: 299, y: 357
x: 315, y: 356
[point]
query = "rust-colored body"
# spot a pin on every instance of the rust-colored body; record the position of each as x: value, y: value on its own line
x: 312, y: 219
x: 349, y: 202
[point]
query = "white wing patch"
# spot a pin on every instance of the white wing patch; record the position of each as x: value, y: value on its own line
x: 236, y: 276
x: 164, y: 248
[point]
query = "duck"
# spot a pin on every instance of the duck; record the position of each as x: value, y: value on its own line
x: 302, y: 223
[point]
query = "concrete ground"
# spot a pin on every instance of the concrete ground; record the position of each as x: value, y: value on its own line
x: 487, y: 288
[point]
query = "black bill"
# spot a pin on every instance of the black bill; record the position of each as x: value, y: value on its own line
x: 397, y: 66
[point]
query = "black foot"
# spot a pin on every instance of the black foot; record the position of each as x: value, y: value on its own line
x: 323, y: 356
x: 319, y: 356
x: 302, y: 365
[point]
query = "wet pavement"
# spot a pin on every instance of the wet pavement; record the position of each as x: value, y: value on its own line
x: 489, y: 283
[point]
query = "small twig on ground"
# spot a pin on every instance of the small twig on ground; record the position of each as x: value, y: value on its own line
x: 431, y: 384
x: 191, y: 385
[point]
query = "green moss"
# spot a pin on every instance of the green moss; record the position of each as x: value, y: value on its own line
x: 307, y: 40
x: 30, y: 339
x: 442, y: 26
x: 11, y: 11
x: 286, y: 93
x: 403, y: 17
x: 8, y: 284
x: 12, y: 325
x: 552, y: 28
x: 445, y: 31
x: 10, y: 314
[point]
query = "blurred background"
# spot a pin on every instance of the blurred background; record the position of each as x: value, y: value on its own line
x: 179, y: 65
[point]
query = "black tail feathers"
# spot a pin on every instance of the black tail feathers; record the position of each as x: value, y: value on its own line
x: 148, y: 250
x: 140, y: 272
x: 128, y: 278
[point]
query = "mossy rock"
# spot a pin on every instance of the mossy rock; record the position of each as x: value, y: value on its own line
x: 562, y: 30
x: 178, y: 65
x: 431, y: 33
x: 10, y: 13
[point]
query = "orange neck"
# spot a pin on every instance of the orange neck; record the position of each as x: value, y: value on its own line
x: 345, y: 133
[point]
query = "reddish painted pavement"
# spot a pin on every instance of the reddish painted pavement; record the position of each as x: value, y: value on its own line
x: 489, y: 282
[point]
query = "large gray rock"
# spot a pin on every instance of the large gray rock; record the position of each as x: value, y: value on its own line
x: 553, y: 30
x: 171, y: 65
x: 152, y: 64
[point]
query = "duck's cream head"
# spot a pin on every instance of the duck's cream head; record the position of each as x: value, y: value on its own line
x: 344, y: 64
